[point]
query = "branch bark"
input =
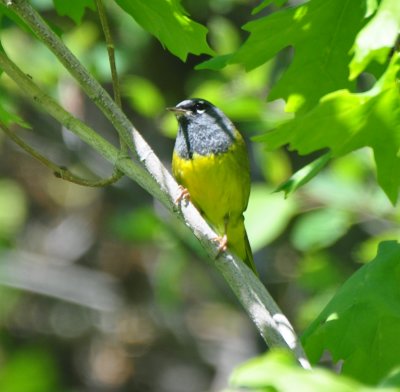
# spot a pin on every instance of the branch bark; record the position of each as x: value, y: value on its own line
x: 146, y: 169
x: 58, y: 171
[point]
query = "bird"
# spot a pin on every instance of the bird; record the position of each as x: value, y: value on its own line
x: 211, y: 164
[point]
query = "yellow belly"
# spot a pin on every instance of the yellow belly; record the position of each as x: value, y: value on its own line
x: 219, y: 185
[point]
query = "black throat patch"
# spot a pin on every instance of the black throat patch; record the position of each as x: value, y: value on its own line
x: 207, y: 133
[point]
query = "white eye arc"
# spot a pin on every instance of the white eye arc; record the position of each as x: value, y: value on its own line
x: 200, y: 107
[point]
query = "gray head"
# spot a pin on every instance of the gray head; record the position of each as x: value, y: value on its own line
x: 203, y: 128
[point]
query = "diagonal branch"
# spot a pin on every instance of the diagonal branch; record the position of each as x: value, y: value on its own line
x: 142, y: 154
x: 146, y: 169
x: 59, y: 171
x: 90, y: 85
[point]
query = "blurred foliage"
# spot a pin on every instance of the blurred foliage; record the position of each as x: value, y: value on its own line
x: 143, y: 96
x: 13, y: 209
x: 101, y: 289
x: 277, y: 371
x: 265, y: 203
x: 29, y: 370
x: 362, y: 320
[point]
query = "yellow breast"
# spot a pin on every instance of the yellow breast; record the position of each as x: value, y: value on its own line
x: 219, y: 184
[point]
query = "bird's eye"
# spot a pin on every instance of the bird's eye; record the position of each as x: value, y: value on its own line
x: 200, y: 107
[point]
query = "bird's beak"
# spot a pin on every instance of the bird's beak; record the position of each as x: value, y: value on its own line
x: 177, y: 111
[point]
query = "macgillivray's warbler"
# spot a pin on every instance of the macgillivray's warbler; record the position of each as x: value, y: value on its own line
x: 211, y: 164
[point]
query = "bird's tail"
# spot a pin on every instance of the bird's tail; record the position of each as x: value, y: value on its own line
x: 238, y: 241
x: 249, y: 260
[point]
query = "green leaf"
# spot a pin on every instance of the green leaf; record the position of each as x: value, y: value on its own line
x: 8, y: 118
x: 215, y: 63
x: 372, y: 5
x: 344, y: 122
x: 361, y: 324
x: 169, y: 23
x: 277, y: 371
x: 266, y: 3
x: 267, y: 215
x: 304, y: 175
x: 393, y: 380
x: 318, y: 68
x: 377, y: 38
x: 73, y: 9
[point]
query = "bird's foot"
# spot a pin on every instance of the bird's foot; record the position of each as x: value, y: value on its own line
x: 222, y: 244
x: 183, y: 195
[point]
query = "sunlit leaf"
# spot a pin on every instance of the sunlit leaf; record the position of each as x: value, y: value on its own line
x: 360, y: 324
x: 344, y: 122
x: 377, y: 38
x: 278, y: 371
x: 372, y: 5
x: 304, y: 175
x: 169, y: 23
x: 316, y: 69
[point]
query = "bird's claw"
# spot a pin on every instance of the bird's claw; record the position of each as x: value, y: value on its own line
x: 222, y: 244
x: 183, y: 195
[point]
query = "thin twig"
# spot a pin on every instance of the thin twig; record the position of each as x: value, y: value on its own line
x: 90, y: 85
x: 110, y: 51
x: 46, y: 102
x: 59, y: 171
x: 111, y: 58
